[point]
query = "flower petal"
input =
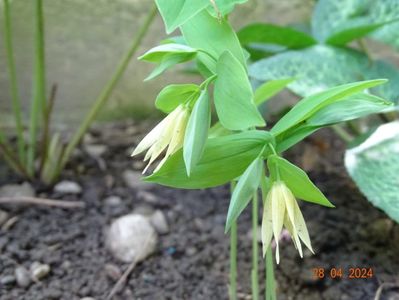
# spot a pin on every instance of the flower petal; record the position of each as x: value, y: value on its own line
x: 267, y: 224
x: 301, y: 227
x: 278, y: 210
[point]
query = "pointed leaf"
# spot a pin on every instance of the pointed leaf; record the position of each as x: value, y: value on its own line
x: 224, y: 159
x: 177, y: 12
x: 158, y: 53
x: 197, y: 131
x: 233, y: 95
x: 246, y: 187
x: 213, y: 36
x: 269, y: 89
x: 296, y: 180
x: 173, y: 95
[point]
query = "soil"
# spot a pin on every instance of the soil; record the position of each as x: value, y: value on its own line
x: 192, y: 260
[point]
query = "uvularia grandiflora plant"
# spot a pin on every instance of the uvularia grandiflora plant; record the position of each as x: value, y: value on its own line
x: 238, y: 148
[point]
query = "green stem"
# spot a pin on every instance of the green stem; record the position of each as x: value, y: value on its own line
x: 38, y: 103
x: 9, y: 157
x: 16, y: 105
x: 109, y: 87
x: 255, y: 249
x: 233, y: 256
x: 270, y: 284
x: 342, y: 133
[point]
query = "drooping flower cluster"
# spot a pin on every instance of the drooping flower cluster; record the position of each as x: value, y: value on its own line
x: 168, y: 134
x: 281, y: 209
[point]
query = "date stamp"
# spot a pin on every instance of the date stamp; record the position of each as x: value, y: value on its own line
x: 343, y: 273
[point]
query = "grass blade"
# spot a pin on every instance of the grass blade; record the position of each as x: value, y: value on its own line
x: 39, y: 85
x: 16, y: 105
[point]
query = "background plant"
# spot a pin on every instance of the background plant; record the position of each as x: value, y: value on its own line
x: 44, y: 154
x: 334, y: 50
x: 233, y: 150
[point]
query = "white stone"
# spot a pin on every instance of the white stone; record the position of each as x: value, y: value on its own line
x: 131, y: 238
x: 17, y: 190
x: 96, y: 150
x: 22, y: 276
x: 134, y: 180
x: 67, y: 187
x: 39, y: 271
x: 113, y: 201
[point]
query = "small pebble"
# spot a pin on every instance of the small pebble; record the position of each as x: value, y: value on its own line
x: 67, y: 187
x: 7, y: 280
x: 113, y: 201
x: 134, y: 180
x: 113, y: 271
x: 147, y: 197
x: 39, y: 271
x: 158, y: 220
x: 144, y: 210
x: 87, y: 298
x: 22, y: 276
x: 17, y: 190
x: 96, y: 150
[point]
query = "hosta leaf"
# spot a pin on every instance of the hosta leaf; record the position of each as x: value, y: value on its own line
x: 177, y: 12
x: 197, y: 131
x: 247, y: 185
x: 213, y: 36
x: 274, y: 34
x: 357, y: 17
x: 233, y: 95
x: 374, y: 166
x: 321, y: 67
x: 173, y: 95
x: 296, y: 180
x: 224, y: 159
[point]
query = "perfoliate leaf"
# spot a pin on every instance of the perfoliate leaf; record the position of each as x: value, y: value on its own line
x: 224, y: 159
x: 173, y: 95
x: 177, y: 12
x: 197, y: 131
x: 243, y: 192
x: 233, y: 95
x: 212, y: 36
x: 274, y: 34
x: 374, y: 166
x: 307, y: 107
x: 269, y: 89
x: 296, y: 180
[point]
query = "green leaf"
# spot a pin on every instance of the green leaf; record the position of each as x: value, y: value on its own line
x: 226, y: 6
x: 321, y: 67
x: 307, y: 107
x: 350, y: 32
x: 233, y: 95
x: 167, y: 55
x: 269, y: 89
x: 224, y: 159
x: 177, y: 12
x: 246, y: 187
x: 352, y: 107
x: 293, y: 136
x: 273, y: 34
x: 212, y: 36
x: 197, y: 132
x: 374, y: 166
x: 173, y: 95
x: 158, y: 53
x: 357, y: 17
x: 296, y: 180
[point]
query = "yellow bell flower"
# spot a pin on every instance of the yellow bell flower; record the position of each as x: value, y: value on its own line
x: 169, y: 133
x: 281, y: 209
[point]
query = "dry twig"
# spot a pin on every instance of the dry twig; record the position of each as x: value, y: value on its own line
x: 41, y: 201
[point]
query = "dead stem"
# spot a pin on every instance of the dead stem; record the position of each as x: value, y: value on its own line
x: 42, y: 201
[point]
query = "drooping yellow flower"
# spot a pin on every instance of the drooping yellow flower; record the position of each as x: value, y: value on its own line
x: 281, y: 209
x: 169, y: 133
